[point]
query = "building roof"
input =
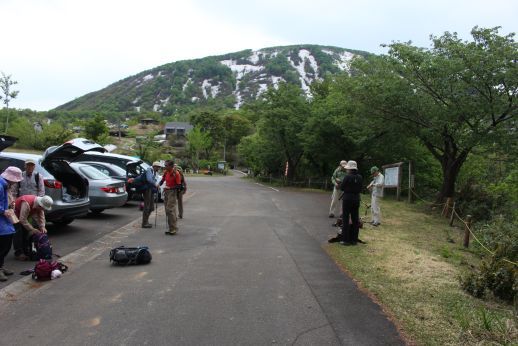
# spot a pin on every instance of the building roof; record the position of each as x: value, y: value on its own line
x: 178, y: 125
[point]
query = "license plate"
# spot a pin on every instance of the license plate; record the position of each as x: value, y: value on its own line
x: 120, y: 189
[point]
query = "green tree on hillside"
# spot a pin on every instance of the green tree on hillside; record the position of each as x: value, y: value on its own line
x: 96, y: 128
x: 7, y: 95
x: 453, y: 97
x: 198, y: 141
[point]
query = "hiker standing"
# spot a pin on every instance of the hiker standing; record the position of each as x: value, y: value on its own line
x: 24, y: 207
x: 32, y: 181
x: 173, y: 181
x: 336, y: 180
x: 376, y: 188
x: 148, y: 180
x: 9, y: 177
x: 180, y: 192
x: 351, y: 186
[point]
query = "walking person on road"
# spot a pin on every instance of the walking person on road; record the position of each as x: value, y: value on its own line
x: 351, y: 186
x: 24, y: 207
x: 9, y: 177
x: 336, y: 180
x: 181, y: 191
x: 148, y: 180
x: 32, y: 181
x: 173, y: 183
x: 376, y: 188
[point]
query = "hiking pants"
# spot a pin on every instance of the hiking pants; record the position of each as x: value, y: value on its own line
x: 21, y: 243
x: 5, y: 246
x: 350, y: 231
x: 179, y: 197
x: 149, y: 205
x: 335, y: 203
x: 170, y: 209
x: 375, y: 209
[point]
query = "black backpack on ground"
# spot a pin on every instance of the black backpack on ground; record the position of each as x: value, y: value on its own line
x: 130, y: 255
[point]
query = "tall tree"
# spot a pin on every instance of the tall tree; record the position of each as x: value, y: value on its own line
x: 197, y: 142
x: 453, y: 97
x: 7, y: 94
x: 96, y: 128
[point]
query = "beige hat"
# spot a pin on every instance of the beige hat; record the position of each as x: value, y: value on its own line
x: 351, y: 165
x: 343, y: 163
x: 45, y: 202
x: 157, y: 164
x: 30, y: 161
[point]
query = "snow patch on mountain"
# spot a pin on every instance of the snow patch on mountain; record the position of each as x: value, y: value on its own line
x: 147, y: 77
x: 241, y: 69
x: 276, y: 80
x: 262, y: 89
x: 189, y: 81
x: 305, y: 80
x: 328, y: 52
x: 136, y: 100
x: 345, y: 60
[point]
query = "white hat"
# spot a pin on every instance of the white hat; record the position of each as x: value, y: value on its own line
x: 30, y: 161
x: 45, y: 202
x: 343, y: 163
x: 351, y: 165
x: 157, y: 163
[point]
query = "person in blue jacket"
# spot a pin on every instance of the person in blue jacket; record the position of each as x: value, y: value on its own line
x: 10, y: 176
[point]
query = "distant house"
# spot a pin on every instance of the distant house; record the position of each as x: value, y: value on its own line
x: 179, y: 129
x: 37, y: 126
x: 149, y: 121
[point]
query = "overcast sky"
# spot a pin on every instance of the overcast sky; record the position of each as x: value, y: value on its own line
x: 58, y: 50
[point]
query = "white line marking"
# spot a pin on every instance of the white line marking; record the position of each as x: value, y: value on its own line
x: 274, y: 189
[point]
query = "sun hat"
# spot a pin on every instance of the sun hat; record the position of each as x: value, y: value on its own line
x: 343, y: 163
x: 374, y: 169
x: 157, y: 164
x: 45, y: 202
x: 30, y: 161
x: 13, y: 174
x: 351, y: 165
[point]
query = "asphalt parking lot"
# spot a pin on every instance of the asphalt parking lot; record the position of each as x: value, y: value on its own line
x: 81, y: 232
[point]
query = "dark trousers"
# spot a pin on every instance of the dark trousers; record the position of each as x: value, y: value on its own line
x: 5, y: 246
x: 350, y: 231
x: 149, y: 205
x: 21, y: 244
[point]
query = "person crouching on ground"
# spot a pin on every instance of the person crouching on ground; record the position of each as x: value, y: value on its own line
x: 351, y: 186
x: 181, y: 191
x: 9, y: 177
x: 376, y: 188
x: 336, y: 180
x: 24, y: 207
x: 173, y: 182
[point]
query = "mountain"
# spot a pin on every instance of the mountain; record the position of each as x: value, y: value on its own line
x: 229, y: 80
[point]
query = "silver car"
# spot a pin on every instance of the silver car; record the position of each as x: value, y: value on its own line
x: 67, y: 188
x: 104, y: 192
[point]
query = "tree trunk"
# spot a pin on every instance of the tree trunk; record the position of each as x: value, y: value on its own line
x: 451, y: 166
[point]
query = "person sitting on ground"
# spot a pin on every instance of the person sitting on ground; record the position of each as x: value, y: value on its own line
x: 336, y: 180
x: 376, y: 188
x: 34, y: 207
x: 10, y: 177
x: 32, y: 181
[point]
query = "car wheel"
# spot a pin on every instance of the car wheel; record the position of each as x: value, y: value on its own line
x: 63, y: 222
x: 97, y: 211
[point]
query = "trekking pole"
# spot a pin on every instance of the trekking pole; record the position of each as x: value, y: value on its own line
x: 156, y: 207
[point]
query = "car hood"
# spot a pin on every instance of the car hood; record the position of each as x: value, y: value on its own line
x: 71, y: 149
x: 6, y: 141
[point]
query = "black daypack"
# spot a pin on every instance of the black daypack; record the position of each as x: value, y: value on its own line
x: 130, y: 255
x: 42, y: 246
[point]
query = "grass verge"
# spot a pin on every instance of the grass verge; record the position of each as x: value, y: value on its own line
x: 411, y: 267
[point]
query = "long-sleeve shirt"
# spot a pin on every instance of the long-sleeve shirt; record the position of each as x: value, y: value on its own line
x: 150, y: 176
x: 28, y: 185
x: 38, y: 215
x: 338, y: 176
x: 377, y: 185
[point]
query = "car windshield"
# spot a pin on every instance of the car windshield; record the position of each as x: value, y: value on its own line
x: 92, y: 173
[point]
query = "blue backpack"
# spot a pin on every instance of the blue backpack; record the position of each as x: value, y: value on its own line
x: 43, y: 247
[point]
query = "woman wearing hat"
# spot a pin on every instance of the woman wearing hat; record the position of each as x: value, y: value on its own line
x: 24, y: 207
x: 351, y: 186
x: 9, y: 177
x: 376, y: 188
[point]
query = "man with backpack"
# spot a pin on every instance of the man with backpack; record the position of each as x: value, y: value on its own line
x: 351, y: 186
x: 173, y: 183
x: 147, y: 180
x: 32, y: 181
x: 181, y: 191
x: 24, y: 207
x: 336, y: 180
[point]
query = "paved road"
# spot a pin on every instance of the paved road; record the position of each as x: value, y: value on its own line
x: 247, y: 268
x: 83, y: 231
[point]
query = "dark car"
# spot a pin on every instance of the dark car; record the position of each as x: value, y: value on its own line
x: 66, y: 187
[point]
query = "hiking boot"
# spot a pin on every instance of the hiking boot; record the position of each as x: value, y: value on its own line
x: 334, y: 240
x: 331, y: 216
x: 170, y: 232
x: 7, y: 271
x: 2, y: 276
x: 147, y: 225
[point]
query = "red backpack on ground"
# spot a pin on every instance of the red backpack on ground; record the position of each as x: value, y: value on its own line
x: 43, y: 269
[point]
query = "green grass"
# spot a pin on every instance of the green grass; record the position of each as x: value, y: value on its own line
x: 412, y: 264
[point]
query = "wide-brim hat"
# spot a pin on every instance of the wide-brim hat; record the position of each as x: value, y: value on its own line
x: 374, y: 169
x: 13, y: 174
x: 45, y: 202
x: 157, y: 164
x: 351, y: 165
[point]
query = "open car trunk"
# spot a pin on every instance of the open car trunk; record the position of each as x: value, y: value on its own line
x: 74, y: 187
